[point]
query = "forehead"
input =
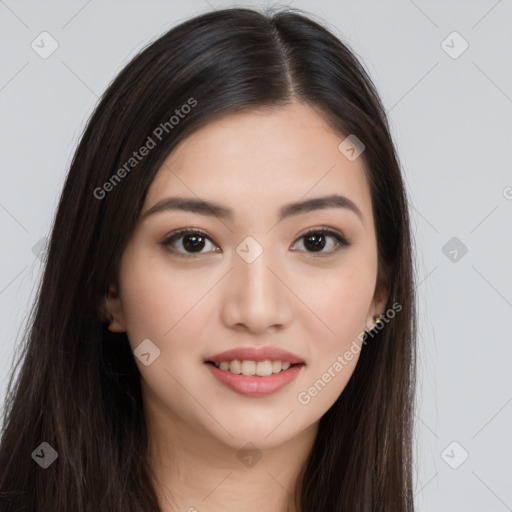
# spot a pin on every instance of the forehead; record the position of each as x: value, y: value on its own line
x: 256, y: 160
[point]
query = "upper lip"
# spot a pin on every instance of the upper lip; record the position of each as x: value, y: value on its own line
x: 256, y: 354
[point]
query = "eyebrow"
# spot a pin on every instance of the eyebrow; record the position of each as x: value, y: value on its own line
x: 203, y: 207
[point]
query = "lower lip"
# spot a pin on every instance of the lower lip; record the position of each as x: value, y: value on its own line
x: 254, y: 385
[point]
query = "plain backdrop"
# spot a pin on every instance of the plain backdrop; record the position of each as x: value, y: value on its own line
x: 443, y: 71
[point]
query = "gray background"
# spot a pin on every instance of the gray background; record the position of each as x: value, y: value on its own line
x: 451, y: 120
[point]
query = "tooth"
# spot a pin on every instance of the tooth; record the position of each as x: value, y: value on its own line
x: 264, y: 368
x: 248, y: 367
x: 276, y: 366
x: 235, y: 366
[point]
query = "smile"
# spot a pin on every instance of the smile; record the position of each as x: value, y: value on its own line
x: 249, y: 380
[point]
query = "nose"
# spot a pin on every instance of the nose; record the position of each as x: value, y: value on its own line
x: 255, y: 296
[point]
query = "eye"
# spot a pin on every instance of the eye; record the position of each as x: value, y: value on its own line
x: 193, y: 241
x: 315, y: 240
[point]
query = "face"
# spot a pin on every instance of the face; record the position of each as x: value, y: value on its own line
x: 252, y: 275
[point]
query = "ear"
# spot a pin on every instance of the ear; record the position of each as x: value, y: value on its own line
x: 113, y: 310
x: 379, y: 301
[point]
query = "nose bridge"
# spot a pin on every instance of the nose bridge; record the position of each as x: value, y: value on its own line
x: 256, y: 281
x: 255, y: 296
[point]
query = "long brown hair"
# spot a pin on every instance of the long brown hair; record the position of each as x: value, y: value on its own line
x: 78, y: 388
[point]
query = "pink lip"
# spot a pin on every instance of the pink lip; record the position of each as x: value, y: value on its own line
x: 256, y: 354
x: 255, y: 385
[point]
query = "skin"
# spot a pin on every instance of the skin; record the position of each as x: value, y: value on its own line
x: 314, y: 305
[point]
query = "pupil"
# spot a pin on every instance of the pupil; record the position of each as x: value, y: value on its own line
x: 196, y: 242
x: 318, y: 241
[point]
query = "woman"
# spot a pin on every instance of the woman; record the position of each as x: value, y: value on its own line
x: 227, y: 314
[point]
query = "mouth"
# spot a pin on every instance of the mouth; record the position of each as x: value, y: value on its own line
x: 254, y: 378
x: 255, y: 371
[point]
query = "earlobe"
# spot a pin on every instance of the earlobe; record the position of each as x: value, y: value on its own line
x: 113, y: 327
x: 113, y: 310
x: 376, y: 311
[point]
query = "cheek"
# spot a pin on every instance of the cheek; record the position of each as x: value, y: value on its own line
x: 335, y: 338
x: 165, y: 307
x: 155, y: 298
x: 336, y: 300
x: 170, y: 306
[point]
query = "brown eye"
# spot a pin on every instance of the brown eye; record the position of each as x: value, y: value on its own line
x: 192, y: 242
x: 316, y: 241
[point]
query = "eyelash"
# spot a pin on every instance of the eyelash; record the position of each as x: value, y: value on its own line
x: 323, y: 230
